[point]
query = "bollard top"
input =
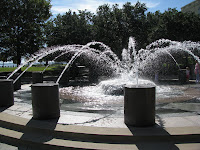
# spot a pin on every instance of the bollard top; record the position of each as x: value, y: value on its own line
x: 139, y: 86
x: 44, y: 85
x: 37, y: 72
x: 6, y: 80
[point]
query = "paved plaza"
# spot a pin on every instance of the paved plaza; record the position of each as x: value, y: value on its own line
x: 185, y: 111
x: 180, y: 117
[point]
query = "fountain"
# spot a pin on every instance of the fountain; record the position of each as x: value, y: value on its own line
x: 139, y: 98
x: 133, y: 63
x: 132, y: 70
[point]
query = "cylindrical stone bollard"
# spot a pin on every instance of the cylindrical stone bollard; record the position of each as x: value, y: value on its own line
x: 6, y: 93
x: 37, y: 77
x: 17, y: 84
x: 139, y: 105
x: 45, y: 101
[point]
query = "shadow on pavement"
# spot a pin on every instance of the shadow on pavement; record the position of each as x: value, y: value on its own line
x: 39, y: 131
x: 153, y: 138
x: 4, y: 108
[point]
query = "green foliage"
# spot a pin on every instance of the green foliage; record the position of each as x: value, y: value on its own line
x: 113, y: 26
x: 173, y: 25
x: 108, y: 26
x: 70, y: 28
x: 22, y: 26
x: 31, y: 69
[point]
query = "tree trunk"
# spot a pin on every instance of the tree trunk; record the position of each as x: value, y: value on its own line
x: 47, y: 63
x: 18, y: 59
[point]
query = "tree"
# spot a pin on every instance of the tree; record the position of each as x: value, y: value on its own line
x: 136, y: 22
x: 22, y: 26
x: 70, y: 28
x: 106, y: 26
x: 155, y: 28
x: 173, y: 25
x: 114, y: 26
x: 3, y: 57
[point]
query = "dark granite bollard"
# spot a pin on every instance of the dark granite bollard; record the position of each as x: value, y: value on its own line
x: 17, y: 84
x: 6, y: 93
x: 139, y: 105
x: 45, y: 101
x: 37, y: 77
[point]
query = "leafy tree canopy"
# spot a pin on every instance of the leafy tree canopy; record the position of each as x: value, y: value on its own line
x: 70, y: 28
x: 173, y: 25
x: 22, y: 26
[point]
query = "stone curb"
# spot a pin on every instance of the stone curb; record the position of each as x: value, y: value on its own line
x: 20, y: 131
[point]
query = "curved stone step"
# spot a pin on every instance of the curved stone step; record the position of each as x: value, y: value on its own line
x: 53, y: 134
x: 41, y: 141
x: 46, y: 141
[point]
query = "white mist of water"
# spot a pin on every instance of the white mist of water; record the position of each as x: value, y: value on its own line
x: 128, y: 69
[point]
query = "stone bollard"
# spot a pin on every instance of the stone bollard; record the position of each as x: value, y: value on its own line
x: 182, y: 76
x: 45, y: 101
x: 17, y: 84
x: 139, y: 105
x: 6, y: 93
x: 37, y: 77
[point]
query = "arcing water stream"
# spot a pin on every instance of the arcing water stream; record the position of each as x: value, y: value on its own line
x: 107, y: 96
x: 128, y: 70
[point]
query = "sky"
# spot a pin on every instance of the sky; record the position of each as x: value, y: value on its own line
x: 62, y: 6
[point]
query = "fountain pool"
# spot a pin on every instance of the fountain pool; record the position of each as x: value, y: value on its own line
x: 106, y: 97
x: 108, y: 110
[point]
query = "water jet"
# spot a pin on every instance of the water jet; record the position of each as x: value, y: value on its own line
x: 135, y: 67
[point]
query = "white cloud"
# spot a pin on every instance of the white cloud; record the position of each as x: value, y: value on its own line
x: 59, y: 9
x: 151, y: 4
x: 62, y: 6
x: 75, y: 5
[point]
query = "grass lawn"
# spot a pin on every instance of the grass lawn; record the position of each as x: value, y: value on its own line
x: 31, y: 69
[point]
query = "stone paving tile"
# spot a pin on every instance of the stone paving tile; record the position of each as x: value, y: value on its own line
x: 4, y: 146
x: 194, y: 119
x: 24, y: 108
x: 177, y: 122
x: 108, y: 122
x: 104, y: 120
x: 12, y: 112
x: 69, y: 119
x: 14, y: 107
x: 8, y: 147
